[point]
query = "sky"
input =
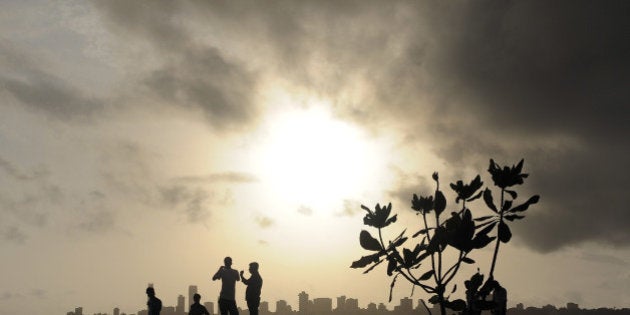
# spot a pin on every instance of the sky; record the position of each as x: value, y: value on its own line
x: 143, y: 141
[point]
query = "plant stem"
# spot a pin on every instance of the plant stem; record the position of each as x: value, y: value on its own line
x: 426, y: 226
x: 496, y: 248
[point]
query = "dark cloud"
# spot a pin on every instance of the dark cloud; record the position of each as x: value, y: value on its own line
x: 13, y: 234
x: 27, y: 82
x: 191, y: 73
x: 350, y: 208
x: 97, y: 221
x: 264, y: 222
x: 194, y: 202
x: 227, y: 177
x: 543, y: 81
x: 15, y: 173
x: 6, y: 296
x: 471, y: 80
x: 602, y: 258
x: 38, y: 293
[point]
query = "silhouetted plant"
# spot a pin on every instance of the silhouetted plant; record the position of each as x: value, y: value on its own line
x: 437, y: 234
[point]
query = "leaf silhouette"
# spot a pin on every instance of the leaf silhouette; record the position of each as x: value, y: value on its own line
x: 487, y: 197
x: 504, y: 232
x: 526, y: 205
x: 368, y: 242
x: 427, y: 275
x: 365, y: 260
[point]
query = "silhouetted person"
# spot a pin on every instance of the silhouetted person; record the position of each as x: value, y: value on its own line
x: 196, y: 308
x: 154, y: 304
x: 228, y: 276
x: 499, y: 296
x: 254, y: 284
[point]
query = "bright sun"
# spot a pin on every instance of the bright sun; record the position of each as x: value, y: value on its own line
x: 311, y: 158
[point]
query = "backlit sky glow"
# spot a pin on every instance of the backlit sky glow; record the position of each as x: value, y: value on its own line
x: 144, y: 141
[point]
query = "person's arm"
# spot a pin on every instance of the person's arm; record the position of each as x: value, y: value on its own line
x: 217, y: 275
x: 237, y: 277
x: 245, y: 280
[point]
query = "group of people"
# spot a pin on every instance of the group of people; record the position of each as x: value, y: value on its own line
x: 227, y: 298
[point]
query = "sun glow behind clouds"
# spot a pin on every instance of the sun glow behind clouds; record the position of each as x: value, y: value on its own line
x: 311, y: 158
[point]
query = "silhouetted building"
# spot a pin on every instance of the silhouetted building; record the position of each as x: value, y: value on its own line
x: 168, y: 310
x: 341, y: 303
x: 263, y: 308
x: 282, y: 308
x: 352, y: 304
x: 209, y: 306
x: 303, y: 303
x: 322, y: 306
x: 181, y: 305
x: 192, y: 289
x: 572, y: 306
x: 371, y: 307
x: 406, y: 305
x: 116, y: 311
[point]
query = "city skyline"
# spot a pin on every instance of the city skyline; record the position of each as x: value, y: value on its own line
x: 306, y: 305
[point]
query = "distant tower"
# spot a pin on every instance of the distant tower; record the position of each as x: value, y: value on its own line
x: 150, y: 285
x: 371, y: 307
x: 116, y: 311
x: 382, y: 307
x: 282, y: 307
x: 210, y: 307
x: 180, y: 305
x: 303, y: 303
x: 572, y: 306
x: 341, y: 303
x: 263, y: 308
x: 406, y: 304
x: 78, y: 311
x: 352, y: 304
x: 192, y: 289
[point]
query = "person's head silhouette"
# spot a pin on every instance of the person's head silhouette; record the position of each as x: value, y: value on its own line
x: 227, y: 262
x: 253, y: 267
x: 150, y: 292
x: 196, y: 298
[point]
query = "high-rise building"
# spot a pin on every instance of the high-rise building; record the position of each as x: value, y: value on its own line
x: 406, y: 304
x: 341, y: 303
x: 371, y: 307
x: 116, y: 311
x: 303, y: 303
x: 382, y: 307
x: 282, y: 307
x: 210, y: 307
x: 192, y: 289
x: 179, y: 309
x: 352, y: 304
x: 322, y: 306
x: 78, y: 311
x: 572, y: 306
x: 263, y: 308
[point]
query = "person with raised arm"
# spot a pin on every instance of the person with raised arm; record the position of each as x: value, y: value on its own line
x: 254, y: 286
x: 228, y: 276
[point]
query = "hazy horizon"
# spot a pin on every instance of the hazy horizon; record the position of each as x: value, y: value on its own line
x: 143, y: 141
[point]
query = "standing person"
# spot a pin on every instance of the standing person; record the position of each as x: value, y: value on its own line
x: 254, y: 285
x: 228, y: 276
x: 154, y: 304
x: 196, y: 308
